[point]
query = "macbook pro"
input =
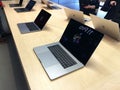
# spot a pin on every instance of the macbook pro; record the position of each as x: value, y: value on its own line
x: 28, y: 7
x: 17, y: 5
x: 72, y: 52
x: 37, y: 25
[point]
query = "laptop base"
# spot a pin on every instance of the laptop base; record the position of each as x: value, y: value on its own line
x: 21, y: 10
x: 50, y: 64
x: 24, y: 29
x: 15, y: 5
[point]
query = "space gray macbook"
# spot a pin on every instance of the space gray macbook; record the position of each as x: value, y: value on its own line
x: 37, y: 25
x: 72, y: 52
x: 16, y: 5
x: 28, y: 7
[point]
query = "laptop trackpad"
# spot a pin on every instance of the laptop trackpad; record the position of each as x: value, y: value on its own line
x: 47, y: 59
x: 23, y: 28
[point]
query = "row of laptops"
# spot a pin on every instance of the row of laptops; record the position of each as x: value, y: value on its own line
x: 44, y: 16
x: 31, y: 4
x: 74, y: 48
x: 16, y: 4
x: 27, y: 8
x: 72, y: 52
x: 105, y: 26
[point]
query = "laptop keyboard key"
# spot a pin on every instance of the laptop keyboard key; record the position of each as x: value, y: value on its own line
x: 64, y: 59
x: 31, y: 26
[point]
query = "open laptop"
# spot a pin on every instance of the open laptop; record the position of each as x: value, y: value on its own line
x: 50, y: 5
x: 72, y: 52
x: 28, y: 7
x: 74, y: 14
x: 17, y: 5
x: 107, y: 27
x: 37, y: 25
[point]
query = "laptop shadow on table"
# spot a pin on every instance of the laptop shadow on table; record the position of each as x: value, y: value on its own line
x: 94, y: 65
x: 46, y: 28
x: 110, y: 40
x: 32, y: 10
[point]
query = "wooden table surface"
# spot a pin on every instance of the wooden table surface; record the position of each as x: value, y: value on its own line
x: 102, y: 71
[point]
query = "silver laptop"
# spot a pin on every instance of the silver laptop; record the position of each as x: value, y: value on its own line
x: 28, y: 7
x: 107, y: 27
x: 50, y: 5
x: 37, y: 25
x: 72, y: 52
x: 74, y: 14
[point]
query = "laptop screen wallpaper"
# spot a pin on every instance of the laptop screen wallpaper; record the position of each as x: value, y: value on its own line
x: 80, y: 40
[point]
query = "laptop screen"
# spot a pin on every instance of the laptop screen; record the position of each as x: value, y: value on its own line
x: 20, y: 2
x: 42, y: 18
x: 30, y: 4
x: 74, y: 14
x: 80, y: 40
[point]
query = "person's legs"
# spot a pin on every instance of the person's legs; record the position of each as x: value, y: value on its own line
x: 3, y: 35
x: 2, y: 39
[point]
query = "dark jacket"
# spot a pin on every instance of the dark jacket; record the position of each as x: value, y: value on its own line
x: 89, y: 2
x: 114, y: 12
x: 1, y: 3
x: 106, y: 6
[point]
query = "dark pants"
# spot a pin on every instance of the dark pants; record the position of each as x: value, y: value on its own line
x: 4, y: 21
x: 1, y: 26
x: 114, y: 14
x: 4, y: 27
x: 106, y: 6
x: 83, y: 3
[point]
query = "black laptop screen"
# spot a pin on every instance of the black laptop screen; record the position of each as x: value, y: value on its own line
x: 42, y: 18
x: 80, y: 40
x: 20, y: 2
x: 30, y: 4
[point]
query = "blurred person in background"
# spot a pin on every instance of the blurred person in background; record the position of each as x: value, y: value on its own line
x: 89, y: 6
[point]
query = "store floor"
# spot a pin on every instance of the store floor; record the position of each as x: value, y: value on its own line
x: 11, y: 73
x: 7, y: 79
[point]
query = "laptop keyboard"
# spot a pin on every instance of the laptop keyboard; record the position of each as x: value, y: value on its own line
x: 31, y: 26
x: 64, y: 59
x: 21, y: 9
